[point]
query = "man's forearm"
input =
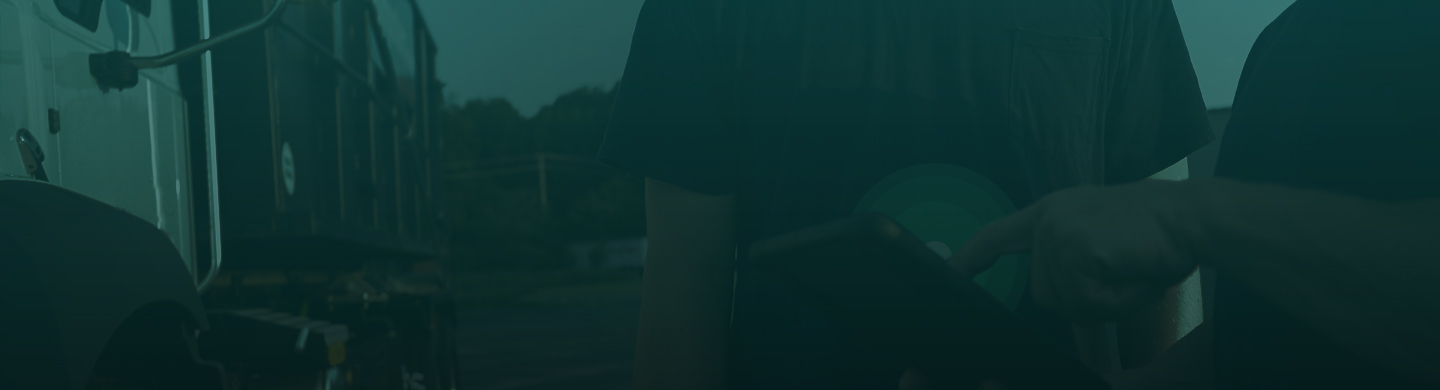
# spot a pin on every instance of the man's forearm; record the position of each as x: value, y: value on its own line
x: 1363, y: 273
x: 683, y: 324
x: 686, y: 298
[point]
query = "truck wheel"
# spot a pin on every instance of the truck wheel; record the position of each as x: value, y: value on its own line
x: 154, y: 349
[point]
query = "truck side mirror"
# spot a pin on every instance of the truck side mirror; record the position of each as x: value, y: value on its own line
x: 119, y: 70
x: 114, y: 70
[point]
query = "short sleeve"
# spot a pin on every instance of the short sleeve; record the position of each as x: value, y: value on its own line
x: 667, y: 123
x: 1156, y: 115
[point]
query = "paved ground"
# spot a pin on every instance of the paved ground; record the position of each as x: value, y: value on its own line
x: 548, y: 348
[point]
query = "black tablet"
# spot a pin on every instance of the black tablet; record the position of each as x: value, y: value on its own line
x: 874, y: 276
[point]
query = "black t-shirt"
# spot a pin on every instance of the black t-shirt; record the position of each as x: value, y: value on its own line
x: 1342, y: 96
x: 800, y: 107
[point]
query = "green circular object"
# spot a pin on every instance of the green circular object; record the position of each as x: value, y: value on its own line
x: 944, y: 205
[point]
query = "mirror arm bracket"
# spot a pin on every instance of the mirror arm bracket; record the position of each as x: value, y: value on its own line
x: 118, y: 70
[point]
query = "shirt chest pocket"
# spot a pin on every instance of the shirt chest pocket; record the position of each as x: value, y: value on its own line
x: 1055, y: 91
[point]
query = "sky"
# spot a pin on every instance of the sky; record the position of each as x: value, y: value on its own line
x: 1219, y: 34
x: 531, y: 51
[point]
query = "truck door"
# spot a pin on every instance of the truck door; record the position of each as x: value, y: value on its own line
x: 128, y: 147
x: 23, y: 94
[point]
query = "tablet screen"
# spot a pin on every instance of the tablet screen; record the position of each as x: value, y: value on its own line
x: 944, y: 205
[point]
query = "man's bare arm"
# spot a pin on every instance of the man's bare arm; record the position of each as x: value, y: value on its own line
x: 689, y: 280
x: 1362, y: 273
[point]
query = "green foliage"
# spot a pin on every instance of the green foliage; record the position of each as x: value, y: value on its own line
x: 575, y: 123
x: 496, y: 218
x: 484, y: 128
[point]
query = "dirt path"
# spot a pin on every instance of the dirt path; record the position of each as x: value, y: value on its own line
x: 548, y: 348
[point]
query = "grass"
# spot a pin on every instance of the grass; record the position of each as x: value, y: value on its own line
x: 479, y: 290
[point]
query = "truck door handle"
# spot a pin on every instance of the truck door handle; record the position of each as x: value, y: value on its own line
x: 31, y: 155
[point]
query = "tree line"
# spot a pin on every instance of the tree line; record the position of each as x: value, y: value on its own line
x: 499, y: 214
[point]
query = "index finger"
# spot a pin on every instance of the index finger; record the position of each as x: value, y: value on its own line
x: 1010, y: 235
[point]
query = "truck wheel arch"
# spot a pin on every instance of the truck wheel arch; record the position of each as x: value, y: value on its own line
x: 73, y: 272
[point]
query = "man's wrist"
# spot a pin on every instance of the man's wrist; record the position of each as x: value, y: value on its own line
x: 1211, y: 208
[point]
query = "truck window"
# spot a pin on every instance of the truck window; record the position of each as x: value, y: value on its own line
x: 84, y: 12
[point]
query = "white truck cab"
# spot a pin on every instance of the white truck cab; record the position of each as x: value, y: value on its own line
x: 127, y: 148
x: 97, y: 235
x: 111, y: 198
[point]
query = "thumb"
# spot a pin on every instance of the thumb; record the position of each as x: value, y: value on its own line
x: 1010, y: 235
